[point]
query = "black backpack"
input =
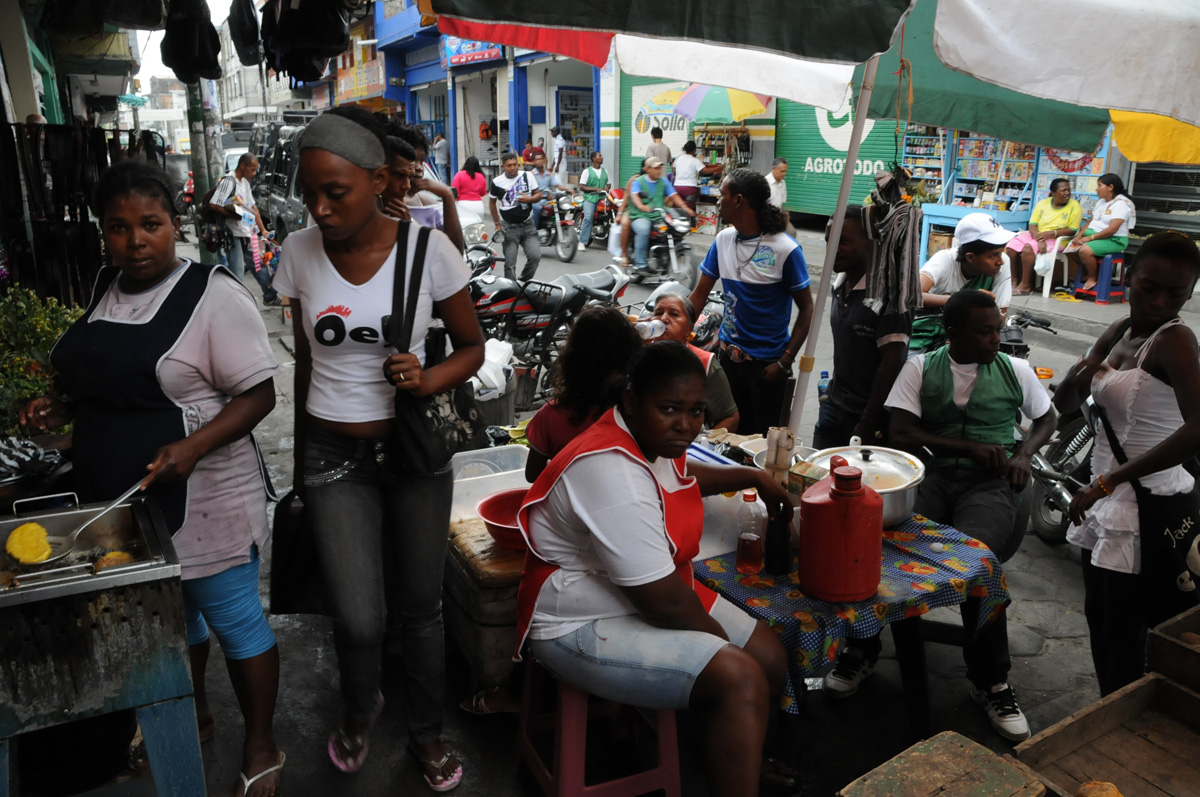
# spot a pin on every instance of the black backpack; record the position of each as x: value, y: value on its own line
x: 243, y: 30
x: 191, y: 46
x: 300, y: 36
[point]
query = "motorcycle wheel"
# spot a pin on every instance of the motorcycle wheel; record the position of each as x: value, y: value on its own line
x: 599, y: 235
x: 567, y: 244
x: 1049, y: 524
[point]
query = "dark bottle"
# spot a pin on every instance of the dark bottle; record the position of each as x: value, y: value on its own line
x: 778, y: 554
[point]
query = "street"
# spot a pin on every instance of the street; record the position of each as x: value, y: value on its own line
x: 1052, y: 669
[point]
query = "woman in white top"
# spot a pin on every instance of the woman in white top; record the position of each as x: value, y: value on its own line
x: 338, y: 277
x: 1107, y: 231
x: 688, y: 169
x: 1144, y: 374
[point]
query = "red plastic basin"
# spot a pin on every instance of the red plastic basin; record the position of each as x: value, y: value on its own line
x: 499, y: 513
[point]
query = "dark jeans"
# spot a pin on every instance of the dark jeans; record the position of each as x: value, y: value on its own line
x: 984, y: 508
x: 351, y: 487
x: 1117, y: 626
x: 835, y: 427
x: 241, y: 258
x: 759, y: 402
x: 524, y: 234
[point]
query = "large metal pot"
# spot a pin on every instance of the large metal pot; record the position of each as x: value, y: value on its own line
x: 891, y: 473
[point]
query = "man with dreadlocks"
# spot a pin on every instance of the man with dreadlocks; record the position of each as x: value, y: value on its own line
x: 762, y: 272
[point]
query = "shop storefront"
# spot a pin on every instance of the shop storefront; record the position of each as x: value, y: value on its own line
x: 563, y: 93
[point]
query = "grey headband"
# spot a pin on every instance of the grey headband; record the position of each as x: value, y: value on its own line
x: 345, y: 138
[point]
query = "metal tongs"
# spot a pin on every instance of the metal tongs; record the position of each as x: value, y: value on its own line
x: 68, y: 545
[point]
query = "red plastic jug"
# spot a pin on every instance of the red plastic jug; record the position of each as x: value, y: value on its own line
x: 841, y: 537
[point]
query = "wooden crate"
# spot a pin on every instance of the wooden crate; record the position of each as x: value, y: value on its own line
x: 1145, y: 739
x: 1175, y: 659
x: 947, y: 765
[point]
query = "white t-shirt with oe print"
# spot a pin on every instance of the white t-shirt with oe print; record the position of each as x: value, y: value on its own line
x: 344, y: 322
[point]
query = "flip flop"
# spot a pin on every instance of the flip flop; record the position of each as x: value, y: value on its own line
x: 354, y: 764
x: 477, y: 704
x: 1064, y: 296
x: 248, y: 782
x: 1022, y: 293
x: 449, y: 783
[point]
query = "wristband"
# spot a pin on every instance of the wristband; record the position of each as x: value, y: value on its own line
x: 783, y: 367
x: 1100, y: 482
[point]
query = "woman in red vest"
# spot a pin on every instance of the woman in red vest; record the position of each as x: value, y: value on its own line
x: 608, y: 599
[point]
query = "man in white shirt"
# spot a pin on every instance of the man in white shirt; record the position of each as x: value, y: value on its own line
x: 234, y: 198
x: 559, y: 166
x: 514, y: 193
x: 976, y: 261
x: 441, y: 157
x: 959, y: 404
x: 779, y: 170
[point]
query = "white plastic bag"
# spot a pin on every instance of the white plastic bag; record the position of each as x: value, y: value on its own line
x: 614, y: 240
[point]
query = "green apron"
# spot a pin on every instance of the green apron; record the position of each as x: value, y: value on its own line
x: 656, y: 200
x: 989, y: 415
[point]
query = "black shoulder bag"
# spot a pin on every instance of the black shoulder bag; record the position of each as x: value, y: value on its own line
x: 429, y: 429
x: 1169, y: 528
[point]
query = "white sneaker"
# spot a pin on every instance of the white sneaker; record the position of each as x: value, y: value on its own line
x: 848, y: 674
x: 582, y: 247
x: 1000, y: 703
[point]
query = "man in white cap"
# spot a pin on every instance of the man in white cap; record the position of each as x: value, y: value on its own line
x: 976, y: 261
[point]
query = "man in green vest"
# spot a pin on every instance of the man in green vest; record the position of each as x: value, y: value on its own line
x: 977, y: 261
x: 593, y: 183
x: 648, y: 193
x: 959, y: 403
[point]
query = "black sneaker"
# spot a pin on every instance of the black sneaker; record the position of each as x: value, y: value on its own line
x: 1006, y: 716
x: 848, y: 674
x: 276, y: 302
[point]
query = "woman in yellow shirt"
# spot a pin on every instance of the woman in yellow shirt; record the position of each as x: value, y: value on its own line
x: 1055, y: 216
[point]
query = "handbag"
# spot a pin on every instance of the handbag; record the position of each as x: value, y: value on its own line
x: 429, y: 429
x: 297, y: 583
x: 1169, y: 527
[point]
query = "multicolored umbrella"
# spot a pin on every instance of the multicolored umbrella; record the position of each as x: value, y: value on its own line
x: 718, y: 105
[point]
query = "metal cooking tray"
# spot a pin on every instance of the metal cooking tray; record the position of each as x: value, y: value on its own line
x: 136, y: 527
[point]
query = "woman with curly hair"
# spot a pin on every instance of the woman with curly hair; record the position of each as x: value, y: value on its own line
x: 589, y: 378
x: 762, y: 271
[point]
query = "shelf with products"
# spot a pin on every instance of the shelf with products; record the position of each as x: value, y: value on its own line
x: 576, y: 117
x: 987, y: 170
x: 728, y: 145
x: 924, y: 155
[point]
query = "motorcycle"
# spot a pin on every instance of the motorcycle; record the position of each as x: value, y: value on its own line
x: 708, y: 320
x: 604, y: 217
x: 536, y: 316
x: 185, y: 202
x: 670, y: 257
x: 1063, y: 466
x: 556, y: 227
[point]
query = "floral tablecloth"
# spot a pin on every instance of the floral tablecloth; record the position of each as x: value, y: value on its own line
x: 915, y: 578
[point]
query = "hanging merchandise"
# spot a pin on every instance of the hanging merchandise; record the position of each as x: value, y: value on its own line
x: 1065, y: 164
x: 73, y: 17
x: 300, y: 36
x: 139, y: 14
x: 191, y: 46
x: 243, y: 31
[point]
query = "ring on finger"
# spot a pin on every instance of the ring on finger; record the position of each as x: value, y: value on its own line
x: 400, y: 377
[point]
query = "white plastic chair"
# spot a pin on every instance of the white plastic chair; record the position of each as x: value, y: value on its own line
x: 1046, y: 263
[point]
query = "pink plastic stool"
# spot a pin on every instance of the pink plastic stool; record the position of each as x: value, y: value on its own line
x: 1104, y: 289
x: 569, y: 720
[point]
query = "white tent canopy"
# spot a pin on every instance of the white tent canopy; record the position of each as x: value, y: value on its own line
x: 1127, y: 55
x: 818, y: 83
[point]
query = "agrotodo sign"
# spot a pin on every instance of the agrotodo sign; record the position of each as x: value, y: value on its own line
x: 838, y: 165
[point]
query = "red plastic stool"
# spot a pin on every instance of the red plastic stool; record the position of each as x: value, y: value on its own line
x: 569, y: 720
x: 1104, y: 289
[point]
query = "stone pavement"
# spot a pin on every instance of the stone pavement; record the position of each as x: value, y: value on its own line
x: 837, y: 742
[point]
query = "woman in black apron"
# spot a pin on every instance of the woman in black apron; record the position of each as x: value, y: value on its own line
x: 144, y: 376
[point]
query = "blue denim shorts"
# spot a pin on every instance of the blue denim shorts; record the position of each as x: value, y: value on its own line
x: 228, y: 602
x: 627, y: 660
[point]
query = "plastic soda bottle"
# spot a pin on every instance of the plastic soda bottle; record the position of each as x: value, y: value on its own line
x: 750, y: 523
x: 649, y: 330
x: 823, y: 387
